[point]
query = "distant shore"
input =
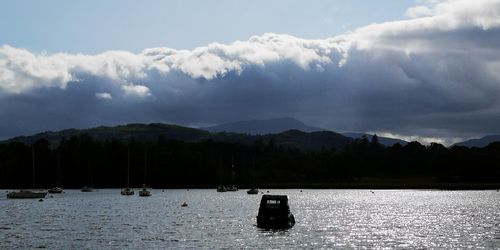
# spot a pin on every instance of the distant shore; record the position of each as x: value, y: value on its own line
x: 354, y: 185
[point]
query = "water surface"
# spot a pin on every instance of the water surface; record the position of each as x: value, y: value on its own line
x: 325, y: 219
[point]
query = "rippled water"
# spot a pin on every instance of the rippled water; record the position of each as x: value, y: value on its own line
x: 325, y: 219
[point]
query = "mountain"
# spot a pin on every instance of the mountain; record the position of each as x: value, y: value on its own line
x: 151, y: 132
x: 382, y: 140
x: 270, y: 126
x: 480, y: 143
x: 312, y: 140
x: 142, y: 132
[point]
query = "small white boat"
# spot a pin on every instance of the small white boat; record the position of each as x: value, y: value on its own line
x: 27, y: 194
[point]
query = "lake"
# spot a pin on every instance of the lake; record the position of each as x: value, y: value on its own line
x: 325, y: 219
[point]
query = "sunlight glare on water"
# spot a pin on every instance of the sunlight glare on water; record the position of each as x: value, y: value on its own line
x: 325, y: 219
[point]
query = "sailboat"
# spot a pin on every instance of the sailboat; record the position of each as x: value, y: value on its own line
x: 29, y: 193
x: 88, y: 188
x: 221, y: 188
x: 233, y: 187
x: 253, y: 190
x: 145, y: 191
x: 127, y: 190
x: 57, y: 189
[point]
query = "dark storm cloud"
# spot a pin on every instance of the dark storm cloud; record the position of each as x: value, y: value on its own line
x: 433, y: 76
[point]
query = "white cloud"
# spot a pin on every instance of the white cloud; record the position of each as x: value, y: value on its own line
x: 447, y: 141
x: 136, y: 90
x: 103, y: 95
x: 434, y: 75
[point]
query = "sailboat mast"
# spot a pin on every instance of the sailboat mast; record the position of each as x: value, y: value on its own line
x: 145, y: 164
x: 89, y: 173
x: 253, y: 170
x: 33, y: 163
x: 58, y: 166
x: 128, y: 167
x: 232, y: 170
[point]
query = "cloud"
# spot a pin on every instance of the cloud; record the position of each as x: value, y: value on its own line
x: 103, y: 95
x: 136, y: 90
x: 433, y: 75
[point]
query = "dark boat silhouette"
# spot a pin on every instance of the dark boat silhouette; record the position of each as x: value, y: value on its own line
x: 127, y: 190
x: 29, y: 193
x: 253, y: 190
x: 89, y: 187
x: 232, y: 187
x: 145, y: 192
x: 57, y: 189
x: 221, y: 188
x: 274, y: 213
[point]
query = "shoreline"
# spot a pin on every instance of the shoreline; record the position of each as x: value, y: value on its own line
x: 360, y: 186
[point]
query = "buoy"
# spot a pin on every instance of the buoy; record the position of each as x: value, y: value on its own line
x: 40, y: 200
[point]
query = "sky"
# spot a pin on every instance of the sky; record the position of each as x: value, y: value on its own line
x: 96, y: 26
x: 426, y: 70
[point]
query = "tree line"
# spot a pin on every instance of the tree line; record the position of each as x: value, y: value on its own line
x: 82, y: 160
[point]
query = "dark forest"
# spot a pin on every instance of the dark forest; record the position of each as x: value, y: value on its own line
x: 82, y: 160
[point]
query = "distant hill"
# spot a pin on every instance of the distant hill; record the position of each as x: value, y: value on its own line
x: 262, y: 127
x: 312, y: 140
x: 480, y: 143
x: 142, y: 132
x: 151, y: 132
x: 382, y: 140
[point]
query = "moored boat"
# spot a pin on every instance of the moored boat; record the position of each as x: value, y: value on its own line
x: 253, y: 191
x: 145, y: 192
x: 55, y: 190
x: 274, y: 213
x: 221, y: 188
x: 127, y: 191
x: 27, y: 194
x: 87, y: 189
x: 232, y: 188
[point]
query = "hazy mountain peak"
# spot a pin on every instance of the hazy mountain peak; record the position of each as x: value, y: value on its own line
x: 480, y: 142
x: 268, y: 126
